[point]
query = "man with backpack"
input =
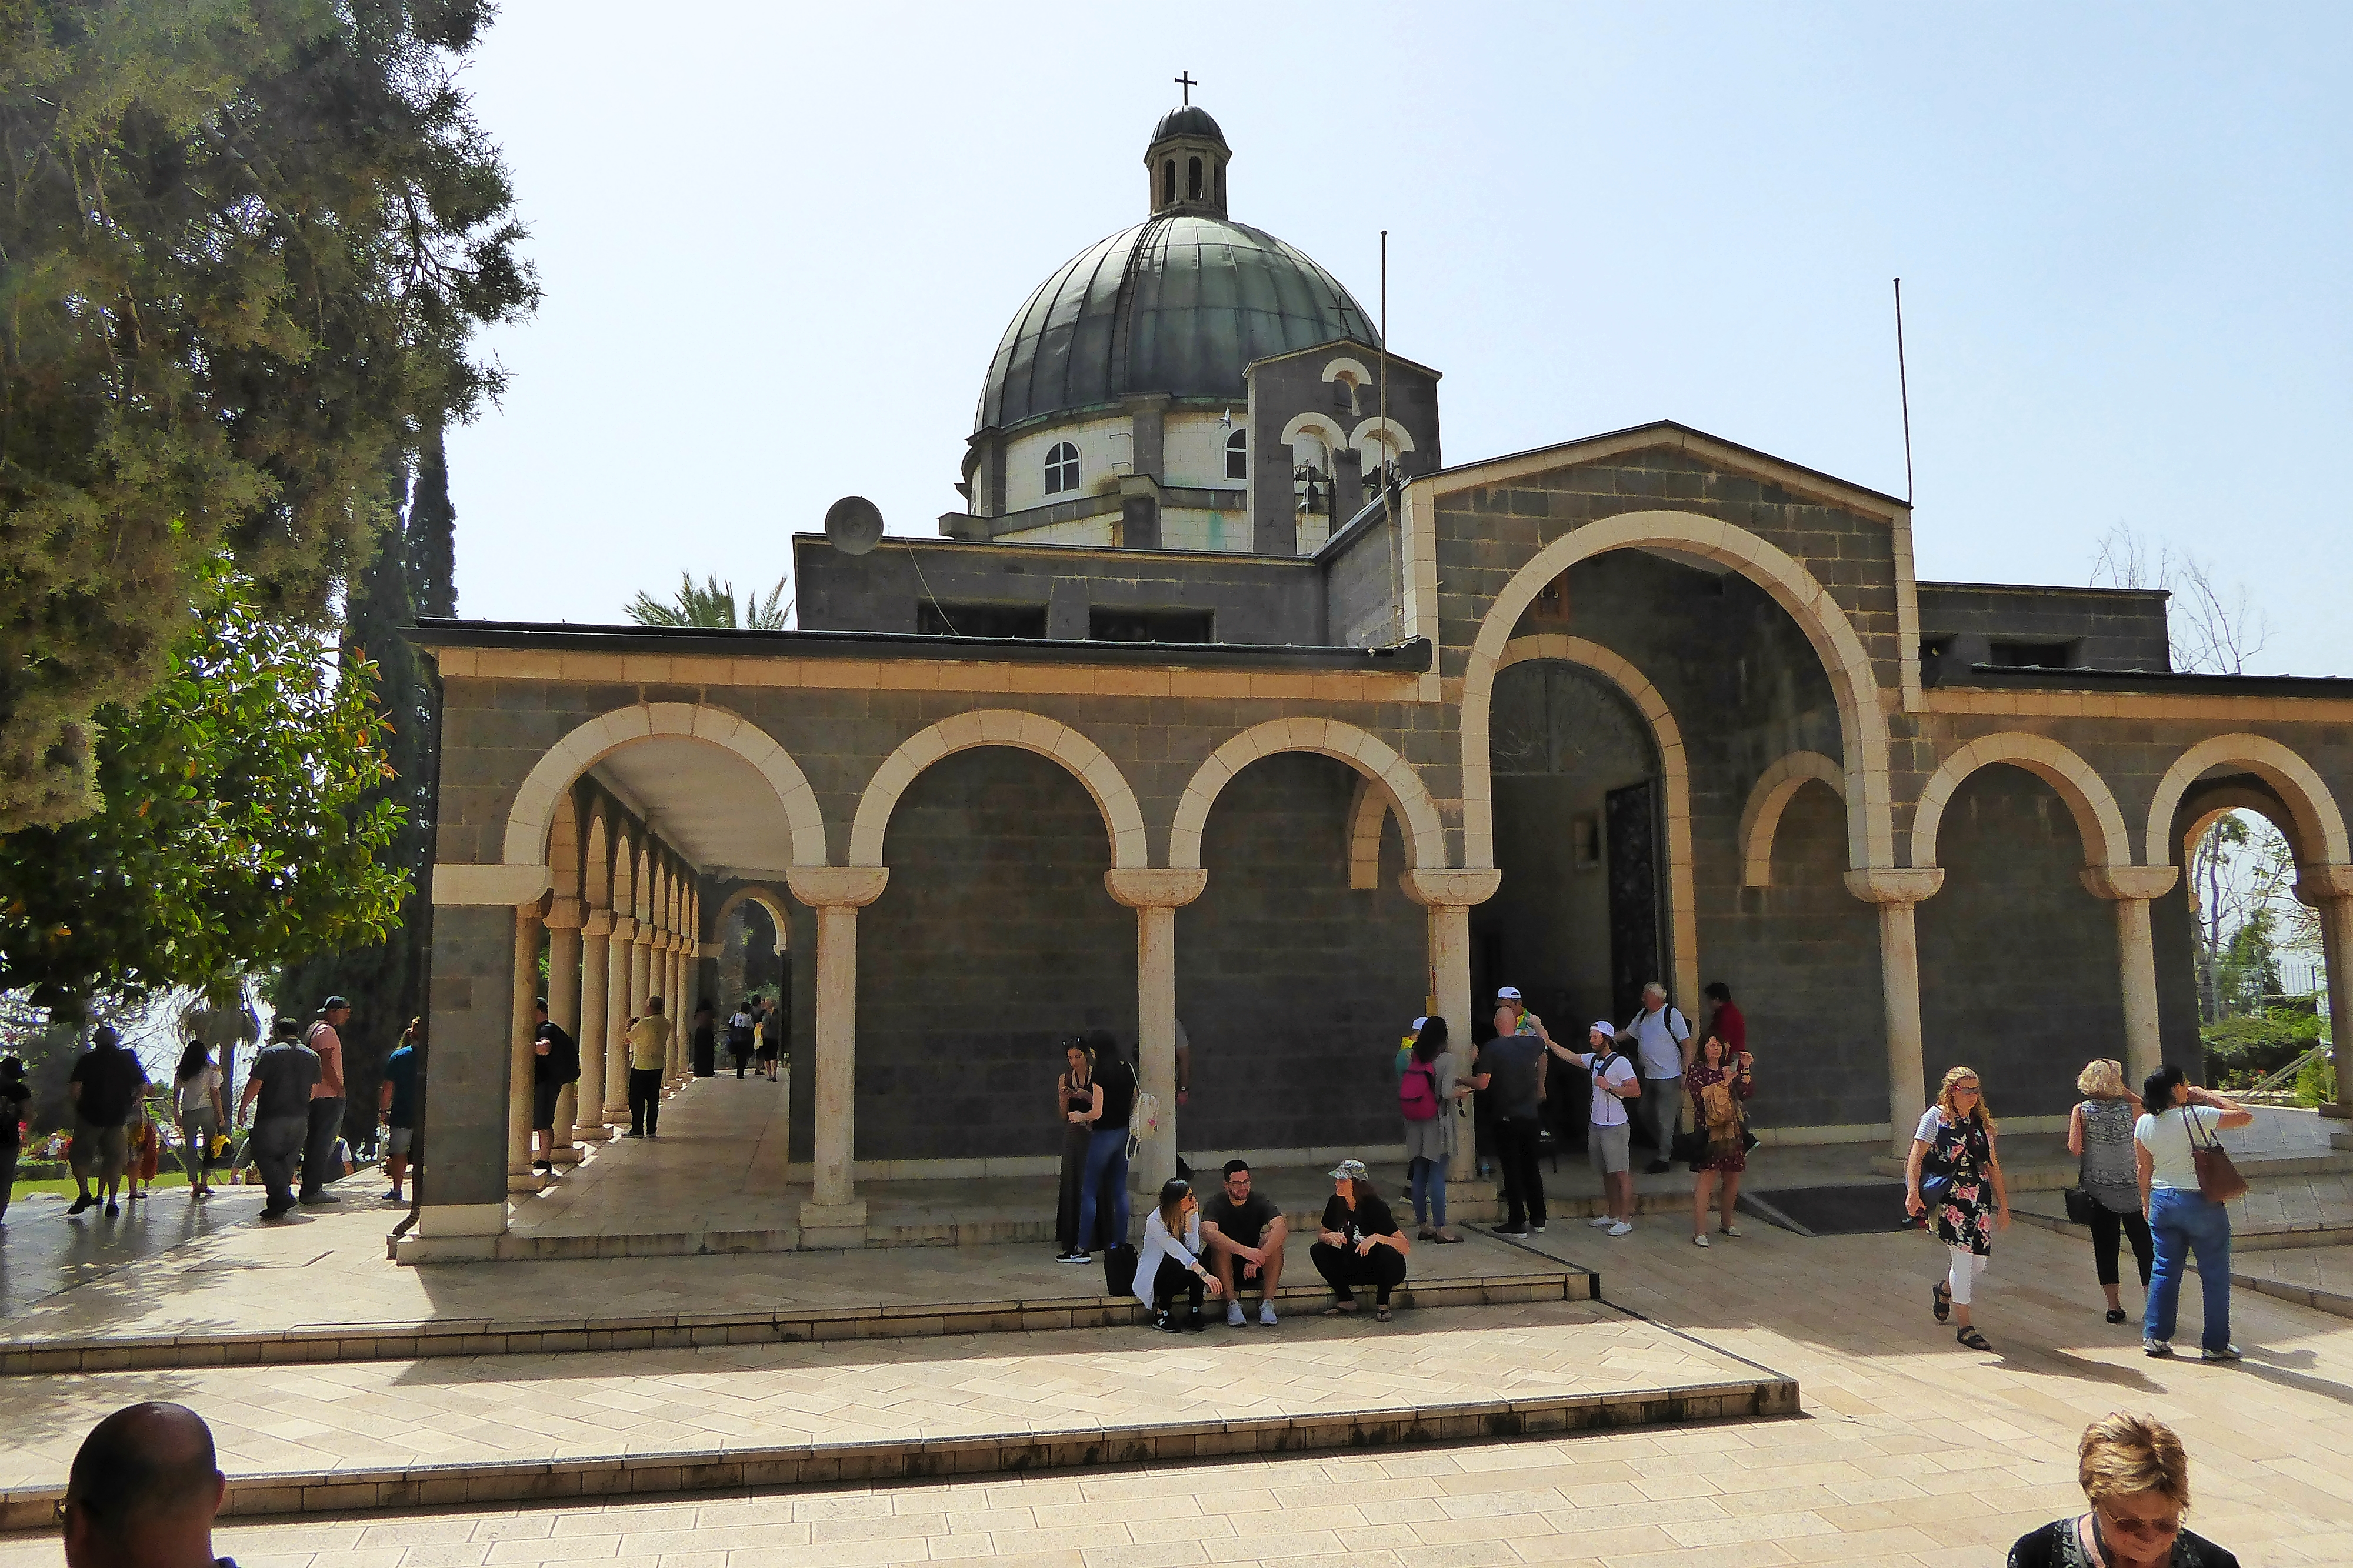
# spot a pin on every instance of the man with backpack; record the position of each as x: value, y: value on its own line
x: 1615, y: 1082
x: 1658, y: 1035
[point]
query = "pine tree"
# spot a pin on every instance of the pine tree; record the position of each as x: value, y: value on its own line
x: 431, y: 535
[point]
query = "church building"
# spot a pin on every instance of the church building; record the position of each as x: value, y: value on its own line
x: 1229, y: 696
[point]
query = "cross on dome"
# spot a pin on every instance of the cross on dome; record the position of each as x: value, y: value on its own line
x: 1189, y: 84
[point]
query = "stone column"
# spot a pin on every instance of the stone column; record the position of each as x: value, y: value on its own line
x: 520, y: 1177
x: 2330, y: 890
x: 595, y: 937
x: 620, y: 953
x: 1449, y: 896
x: 1896, y: 891
x: 1155, y: 895
x: 835, y: 1216
x: 2132, y: 888
x: 642, y: 968
x: 564, y: 917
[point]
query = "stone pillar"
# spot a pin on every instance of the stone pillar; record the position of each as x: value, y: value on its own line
x: 2132, y: 888
x: 1155, y: 896
x: 1449, y: 897
x: 470, y: 1016
x: 564, y: 917
x: 620, y: 954
x: 523, y: 1025
x: 1896, y: 891
x: 2330, y: 890
x: 596, y: 967
x: 642, y: 968
x: 835, y: 1216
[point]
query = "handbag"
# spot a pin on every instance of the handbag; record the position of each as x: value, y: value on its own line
x: 2217, y: 1180
x: 2081, y: 1205
x: 1119, y: 1270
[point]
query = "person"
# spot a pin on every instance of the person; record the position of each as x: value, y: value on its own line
x: 320, y: 1165
x: 197, y: 1100
x: 649, y: 1051
x: 769, y: 1038
x: 1658, y: 1034
x: 554, y: 1062
x: 1245, y: 1232
x: 1608, y: 1139
x: 14, y: 1096
x: 1074, y: 1097
x: 2135, y: 1475
x: 1427, y: 1090
x: 2177, y: 1118
x: 1511, y: 1065
x: 1723, y: 1016
x: 2100, y: 1136
x: 1958, y: 1132
x: 1168, y: 1258
x: 396, y: 1102
x: 107, y: 1082
x: 705, y: 1061
x: 143, y: 1151
x: 277, y: 1094
x: 144, y: 1490
x: 1360, y: 1243
x: 739, y: 1036
x: 1718, y: 1079
x: 1105, y: 1119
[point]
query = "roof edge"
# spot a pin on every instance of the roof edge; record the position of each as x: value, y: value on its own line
x: 1668, y: 432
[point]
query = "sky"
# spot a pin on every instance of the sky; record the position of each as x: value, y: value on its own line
x: 779, y: 243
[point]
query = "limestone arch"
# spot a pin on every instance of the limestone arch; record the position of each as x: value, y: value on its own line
x: 1388, y: 433
x: 563, y: 846
x: 2107, y: 840
x: 1049, y: 738
x: 2317, y: 831
x: 2221, y: 801
x: 767, y: 898
x: 597, y: 864
x: 533, y: 813
x: 1675, y: 771
x: 1424, y: 836
x: 1761, y: 818
x: 1854, y: 684
x: 1369, y: 808
x: 1322, y: 426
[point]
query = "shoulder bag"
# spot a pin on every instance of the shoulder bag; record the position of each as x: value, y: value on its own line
x: 2217, y: 1180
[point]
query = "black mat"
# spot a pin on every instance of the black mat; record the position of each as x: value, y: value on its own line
x: 1859, y: 1210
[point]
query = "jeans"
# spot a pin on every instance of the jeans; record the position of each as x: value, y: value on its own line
x: 1106, y: 1162
x: 276, y: 1141
x: 1343, y: 1269
x: 1427, y: 1180
x: 196, y: 1129
x: 2181, y: 1223
x: 1662, y: 1102
x: 319, y: 1166
x: 2109, y: 1228
x: 1516, y: 1147
x: 645, y: 1099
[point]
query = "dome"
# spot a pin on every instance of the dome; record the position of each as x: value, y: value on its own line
x: 1178, y: 304
x: 1190, y: 120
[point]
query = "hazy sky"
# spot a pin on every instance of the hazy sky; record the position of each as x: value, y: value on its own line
x: 779, y: 245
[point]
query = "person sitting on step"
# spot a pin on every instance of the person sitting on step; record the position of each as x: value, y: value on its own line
x: 1168, y: 1259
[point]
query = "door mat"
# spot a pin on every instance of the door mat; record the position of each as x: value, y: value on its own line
x: 1857, y: 1210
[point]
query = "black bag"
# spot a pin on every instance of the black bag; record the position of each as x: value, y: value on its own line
x: 2081, y: 1205
x: 1690, y: 1146
x: 1119, y: 1270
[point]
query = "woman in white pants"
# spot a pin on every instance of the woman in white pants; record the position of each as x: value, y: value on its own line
x: 1954, y: 1143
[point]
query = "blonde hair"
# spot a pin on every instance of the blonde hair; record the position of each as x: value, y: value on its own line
x: 2123, y: 1454
x: 2102, y: 1079
x: 1983, y: 1117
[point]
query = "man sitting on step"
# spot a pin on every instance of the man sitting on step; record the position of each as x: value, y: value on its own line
x: 1244, y: 1232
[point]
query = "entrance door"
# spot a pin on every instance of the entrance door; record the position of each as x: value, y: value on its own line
x: 1630, y: 816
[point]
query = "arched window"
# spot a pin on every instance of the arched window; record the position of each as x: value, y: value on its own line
x: 1168, y: 180
x: 1062, y: 467
x: 1193, y: 179
x: 1238, y: 455
x: 1222, y: 184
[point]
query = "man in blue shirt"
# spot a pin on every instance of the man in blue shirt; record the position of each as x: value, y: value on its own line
x: 396, y: 1103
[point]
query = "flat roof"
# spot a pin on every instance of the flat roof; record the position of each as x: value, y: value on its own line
x: 2038, y: 677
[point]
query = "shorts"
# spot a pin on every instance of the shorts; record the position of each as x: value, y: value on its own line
x: 100, y: 1152
x: 1608, y: 1146
x: 770, y: 1050
x: 542, y: 1106
x: 401, y: 1140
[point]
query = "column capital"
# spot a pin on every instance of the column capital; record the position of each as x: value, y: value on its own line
x: 2318, y: 884
x: 624, y: 929
x: 598, y: 923
x: 566, y: 914
x: 1147, y: 887
x: 1457, y: 887
x: 1894, y: 884
x: 2143, y: 882
x: 828, y: 886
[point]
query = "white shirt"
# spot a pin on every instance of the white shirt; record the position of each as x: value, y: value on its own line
x: 2167, y: 1139
x: 1158, y: 1244
x: 1659, y: 1041
x: 197, y: 1089
x: 1608, y: 1111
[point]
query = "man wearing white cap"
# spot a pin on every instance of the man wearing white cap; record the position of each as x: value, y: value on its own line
x: 1615, y: 1082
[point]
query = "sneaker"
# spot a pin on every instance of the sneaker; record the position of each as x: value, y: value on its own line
x: 1168, y: 1324
x: 80, y: 1204
x: 542, y: 1164
x: 1511, y: 1230
x: 1076, y: 1257
x: 2159, y: 1348
x: 270, y: 1213
x: 2116, y: 1314
x: 1621, y: 1227
x: 1700, y: 1240
x: 1234, y: 1319
x: 1266, y: 1314
x: 1536, y: 1227
x: 1601, y: 1222
x: 2228, y: 1353
x: 1195, y: 1322
x: 1657, y: 1168
x: 320, y: 1197
x: 393, y: 1197
x: 632, y: 1135
x: 113, y: 1210
x: 1728, y: 1229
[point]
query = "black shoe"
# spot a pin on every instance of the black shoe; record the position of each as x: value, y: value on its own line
x: 2116, y: 1314
x: 80, y: 1204
x: 633, y: 1132
x: 113, y: 1210
x: 542, y: 1164
x: 276, y: 1212
x: 320, y: 1200
x: 1657, y: 1168
x: 1167, y: 1323
x: 1511, y: 1230
x: 1196, y: 1323
x: 1537, y: 1225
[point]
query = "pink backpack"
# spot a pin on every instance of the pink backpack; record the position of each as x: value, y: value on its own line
x: 1418, y: 1092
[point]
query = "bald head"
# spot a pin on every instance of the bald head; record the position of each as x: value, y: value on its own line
x: 144, y: 1489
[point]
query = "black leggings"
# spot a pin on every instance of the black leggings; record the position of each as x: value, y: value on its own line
x: 1173, y: 1276
x: 1344, y: 1271
x: 2106, y: 1225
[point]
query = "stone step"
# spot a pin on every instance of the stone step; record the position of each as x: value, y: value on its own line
x: 2047, y: 1175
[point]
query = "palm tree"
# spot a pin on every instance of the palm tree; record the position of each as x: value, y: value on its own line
x: 712, y: 605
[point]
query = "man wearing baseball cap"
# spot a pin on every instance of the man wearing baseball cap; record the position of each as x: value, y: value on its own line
x: 320, y: 1165
x: 1615, y: 1082
x: 1512, y: 1066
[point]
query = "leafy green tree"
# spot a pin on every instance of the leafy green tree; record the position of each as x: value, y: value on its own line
x: 244, y: 245
x: 712, y: 605
x: 237, y: 830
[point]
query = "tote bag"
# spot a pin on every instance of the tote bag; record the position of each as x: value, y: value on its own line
x: 2217, y: 1180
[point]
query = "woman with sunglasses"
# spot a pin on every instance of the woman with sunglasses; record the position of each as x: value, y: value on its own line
x: 2135, y: 1475
x: 1954, y: 1144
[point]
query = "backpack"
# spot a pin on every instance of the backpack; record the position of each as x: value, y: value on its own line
x: 1143, y: 1120
x: 1418, y: 1093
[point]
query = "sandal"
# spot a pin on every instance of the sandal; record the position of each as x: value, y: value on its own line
x: 1427, y: 1235
x: 1969, y: 1336
x: 1380, y: 1314
x: 1337, y: 1310
x: 1940, y: 1301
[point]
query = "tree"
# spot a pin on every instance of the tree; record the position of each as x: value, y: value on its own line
x: 713, y: 606
x: 236, y: 831
x: 245, y: 243
x: 2212, y: 631
x: 430, y: 540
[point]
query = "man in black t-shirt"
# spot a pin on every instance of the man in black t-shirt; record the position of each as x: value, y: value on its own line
x: 278, y: 1091
x: 554, y: 1062
x: 1360, y: 1243
x: 107, y: 1082
x: 1244, y: 1232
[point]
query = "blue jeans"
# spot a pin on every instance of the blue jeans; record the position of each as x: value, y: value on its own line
x: 1428, y: 1179
x: 2180, y: 1223
x: 1106, y: 1162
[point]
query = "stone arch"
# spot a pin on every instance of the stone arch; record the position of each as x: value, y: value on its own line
x: 641, y: 886
x: 563, y: 846
x: 1369, y: 807
x: 1350, y: 373
x: 1388, y: 432
x: 2223, y: 800
x: 1674, y: 769
x: 758, y: 893
x: 1322, y: 426
x: 2107, y: 840
x: 1425, y: 837
x: 529, y: 819
x: 597, y: 863
x: 1049, y: 738
x: 1863, y: 725
x: 2316, y: 828
x: 1761, y: 817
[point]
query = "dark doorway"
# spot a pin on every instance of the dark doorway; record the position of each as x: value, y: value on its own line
x: 1630, y: 818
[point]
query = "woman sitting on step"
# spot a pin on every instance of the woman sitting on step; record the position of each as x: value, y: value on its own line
x: 1360, y: 1243
x: 1169, y: 1260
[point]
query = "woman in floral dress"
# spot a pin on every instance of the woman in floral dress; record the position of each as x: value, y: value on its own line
x: 1953, y: 1151
x: 1718, y: 1080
